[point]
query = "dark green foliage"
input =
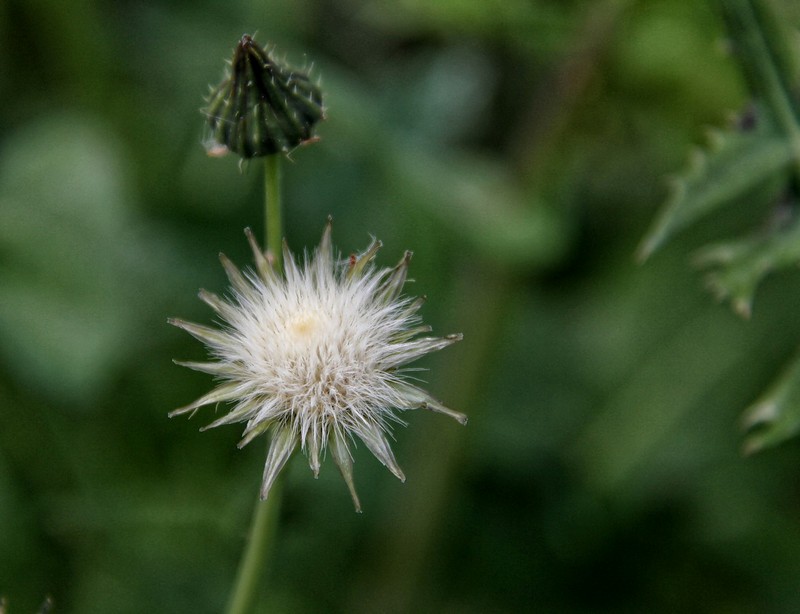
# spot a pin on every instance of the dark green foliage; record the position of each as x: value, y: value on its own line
x: 759, y: 153
x: 518, y: 148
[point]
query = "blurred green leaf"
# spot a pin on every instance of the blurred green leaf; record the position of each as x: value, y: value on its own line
x: 480, y: 203
x: 457, y: 125
x: 741, y: 265
x: 737, y: 162
x: 775, y: 417
x: 473, y: 198
x: 766, y: 147
x: 625, y: 437
x: 509, y: 20
x: 74, y: 257
x: 733, y: 164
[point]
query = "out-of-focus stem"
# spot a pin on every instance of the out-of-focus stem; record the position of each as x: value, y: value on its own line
x: 256, y: 555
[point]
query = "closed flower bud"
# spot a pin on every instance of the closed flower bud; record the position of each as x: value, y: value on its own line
x: 261, y: 108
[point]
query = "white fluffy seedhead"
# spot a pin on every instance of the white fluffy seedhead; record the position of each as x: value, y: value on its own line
x: 316, y: 355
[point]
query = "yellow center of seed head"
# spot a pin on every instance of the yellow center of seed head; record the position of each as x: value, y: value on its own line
x: 303, y: 325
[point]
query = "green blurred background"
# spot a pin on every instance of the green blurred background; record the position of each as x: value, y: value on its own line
x: 519, y: 147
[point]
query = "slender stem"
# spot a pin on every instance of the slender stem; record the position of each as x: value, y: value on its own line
x: 254, y: 561
x: 263, y: 527
x: 272, y: 202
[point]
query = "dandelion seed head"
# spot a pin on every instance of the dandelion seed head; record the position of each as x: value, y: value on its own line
x: 316, y: 356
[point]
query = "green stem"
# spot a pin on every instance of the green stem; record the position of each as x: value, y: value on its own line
x: 263, y: 527
x: 252, y: 566
x: 272, y: 202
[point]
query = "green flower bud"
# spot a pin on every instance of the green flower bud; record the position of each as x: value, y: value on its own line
x: 261, y: 108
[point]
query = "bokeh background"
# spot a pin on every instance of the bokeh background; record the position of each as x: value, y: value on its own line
x: 519, y: 148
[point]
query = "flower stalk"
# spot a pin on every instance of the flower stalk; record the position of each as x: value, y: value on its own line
x: 263, y: 526
x: 273, y: 208
x: 255, y: 559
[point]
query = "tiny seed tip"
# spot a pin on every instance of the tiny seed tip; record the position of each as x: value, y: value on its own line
x: 183, y: 410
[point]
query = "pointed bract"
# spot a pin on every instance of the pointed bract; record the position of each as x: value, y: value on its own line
x: 343, y: 460
x: 263, y: 266
x: 216, y: 303
x: 212, y: 368
x: 239, y: 283
x: 283, y: 444
x: 394, y: 282
x: 418, y: 398
x: 358, y: 262
x: 226, y: 392
x: 209, y: 336
x: 376, y: 441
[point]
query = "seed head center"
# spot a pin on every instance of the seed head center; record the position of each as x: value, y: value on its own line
x: 304, y: 325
